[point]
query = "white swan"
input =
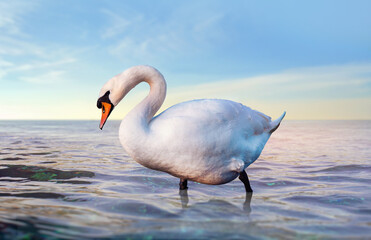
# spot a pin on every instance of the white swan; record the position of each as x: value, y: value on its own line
x: 208, y: 141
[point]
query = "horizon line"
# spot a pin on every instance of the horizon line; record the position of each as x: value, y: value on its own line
x: 121, y: 119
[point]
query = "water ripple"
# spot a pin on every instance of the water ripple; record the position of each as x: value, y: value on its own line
x: 69, y: 180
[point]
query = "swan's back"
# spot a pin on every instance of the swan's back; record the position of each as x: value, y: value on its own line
x: 216, y: 114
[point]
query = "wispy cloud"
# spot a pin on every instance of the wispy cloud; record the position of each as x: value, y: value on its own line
x: 51, y: 77
x: 118, y: 24
x: 148, y: 38
x: 32, y: 68
x: 13, y: 40
x: 21, y: 55
x: 16, y: 46
x: 40, y: 72
x: 11, y: 15
x: 323, y: 82
x: 4, y: 63
x: 40, y: 65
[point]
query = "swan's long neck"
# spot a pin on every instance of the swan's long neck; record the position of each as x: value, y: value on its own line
x: 148, y: 107
x: 134, y: 128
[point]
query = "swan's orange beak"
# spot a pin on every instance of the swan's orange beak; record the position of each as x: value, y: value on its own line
x: 106, y: 111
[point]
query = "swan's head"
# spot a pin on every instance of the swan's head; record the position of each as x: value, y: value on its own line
x: 110, y: 95
x: 115, y: 89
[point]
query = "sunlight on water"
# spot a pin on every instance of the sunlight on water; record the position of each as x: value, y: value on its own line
x: 69, y: 179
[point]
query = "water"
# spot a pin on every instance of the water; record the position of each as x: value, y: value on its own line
x: 68, y: 179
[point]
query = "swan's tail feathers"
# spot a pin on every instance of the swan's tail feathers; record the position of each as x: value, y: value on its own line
x: 276, y: 123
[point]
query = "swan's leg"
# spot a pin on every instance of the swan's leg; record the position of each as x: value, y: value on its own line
x: 245, y: 179
x: 246, y: 205
x: 183, y: 184
x: 184, y: 197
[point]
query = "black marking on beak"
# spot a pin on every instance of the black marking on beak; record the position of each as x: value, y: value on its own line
x: 104, y: 98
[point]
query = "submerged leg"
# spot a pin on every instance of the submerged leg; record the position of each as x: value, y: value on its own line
x: 183, y: 184
x: 246, y: 205
x: 245, y: 179
x: 184, y: 197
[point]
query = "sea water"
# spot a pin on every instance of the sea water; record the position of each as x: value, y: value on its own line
x: 70, y: 180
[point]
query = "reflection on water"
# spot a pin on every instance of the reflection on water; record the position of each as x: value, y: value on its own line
x: 70, y: 180
x: 219, y: 203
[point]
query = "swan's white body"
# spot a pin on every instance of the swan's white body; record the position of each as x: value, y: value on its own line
x: 207, y: 141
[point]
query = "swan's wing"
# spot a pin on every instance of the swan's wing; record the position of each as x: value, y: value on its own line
x: 212, y: 115
x: 203, y: 110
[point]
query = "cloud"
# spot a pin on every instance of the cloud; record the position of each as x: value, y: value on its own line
x: 149, y: 38
x: 51, y: 77
x: 118, y: 24
x: 38, y: 65
x: 11, y: 15
x: 4, y: 63
x: 22, y: 57
x: 45, y: 72
x: 313, y: 82
x: 13, y: 40
x: 15, y: 46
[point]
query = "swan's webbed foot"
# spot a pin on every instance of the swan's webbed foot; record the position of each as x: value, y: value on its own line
x: 183, y: 184
x: 245, y: 179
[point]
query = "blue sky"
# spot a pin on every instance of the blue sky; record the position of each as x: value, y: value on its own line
x: 310, y: 58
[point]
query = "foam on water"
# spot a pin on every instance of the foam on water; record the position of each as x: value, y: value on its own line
x: 68, y: 179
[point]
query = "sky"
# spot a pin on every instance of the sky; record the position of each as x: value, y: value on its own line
x: 310, y: 58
